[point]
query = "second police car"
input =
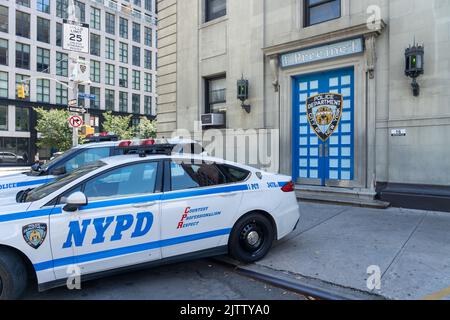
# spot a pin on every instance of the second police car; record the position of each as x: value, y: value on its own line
x: 73, y: 159
x: 134, y: 211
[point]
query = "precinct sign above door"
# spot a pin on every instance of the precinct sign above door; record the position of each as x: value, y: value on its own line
x: 76, y: 36
x: 325, y: 52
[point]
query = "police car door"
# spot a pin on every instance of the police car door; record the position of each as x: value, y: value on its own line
x: 198, y: 209
x: 120, y: 225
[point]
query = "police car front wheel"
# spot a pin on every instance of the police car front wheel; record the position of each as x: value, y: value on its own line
x: 13, y: 275
x: 251, y: 238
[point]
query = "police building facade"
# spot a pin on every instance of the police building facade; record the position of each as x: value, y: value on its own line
x: 346, y: 58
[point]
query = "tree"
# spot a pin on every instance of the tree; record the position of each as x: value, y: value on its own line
x: 146, y: 128
x: 53, y: 129
x: 119, y: 125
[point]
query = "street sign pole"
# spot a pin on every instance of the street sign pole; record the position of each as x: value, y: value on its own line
x: 73, y: 92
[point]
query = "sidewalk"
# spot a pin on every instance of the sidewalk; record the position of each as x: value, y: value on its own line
x: 336, y: 244
x: 5, y: 171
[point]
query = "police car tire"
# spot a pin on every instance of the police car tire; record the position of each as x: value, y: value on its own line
x: 13, y: 274
x: 239, y: 251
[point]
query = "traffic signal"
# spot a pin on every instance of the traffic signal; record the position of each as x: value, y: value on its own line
x: 21, y: 91
x: 87, y: 130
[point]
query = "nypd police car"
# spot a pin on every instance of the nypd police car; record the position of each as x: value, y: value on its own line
x: 75, y: 158
x: 135, y: 211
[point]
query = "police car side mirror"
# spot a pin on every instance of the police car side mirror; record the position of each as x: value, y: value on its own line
x: 59, y: 171
x: 75, y: 201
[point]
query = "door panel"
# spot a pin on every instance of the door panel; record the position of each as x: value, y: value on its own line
x: 316, y: 162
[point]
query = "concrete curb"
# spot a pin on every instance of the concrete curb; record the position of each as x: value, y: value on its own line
x: 309, y: 287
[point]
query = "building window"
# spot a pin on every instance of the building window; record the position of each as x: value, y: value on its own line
x: 22, y: 56
x: 95, y: 104
x: 43, y: 60
x: 43, y: 90
x: 123, y: 101
x: 137, y: 3
x: 148, y: 59
x: 148, y: 5
x: 215, y: 9
x: 20, y: 80
x: 80, y: 11
x: 110, y: 74
x: 95, y: 71
x: 148, y: 105
x: 318, y: 11
x: 136, y: 32
x: 4, y: 84
x: 43, y: 6
x: 62, y: 68
x: 4, y: 19
x: 95, y: 18
x: 61, y: 94
x: 109, y: 99
x: 4, y: 52
x: 95, y: 44
x: 110, y: 23
x: 43, y: 30
x: 136, y: 103
x: 136, y: 80
x: 22, y: 24
x: 81, y: 89
x: 59, y: 34
x: 25, y: 3
x: 123, y: 77
x: 22, y: 119
x: 3, y: 118
x: 123, y: 28
x: 123, y: 52
x: 62, y: 8
x: 109, y: 49
x: 215, y: 89
x: 148, y: 36
x: 147, y: 82
x: 136, y: 56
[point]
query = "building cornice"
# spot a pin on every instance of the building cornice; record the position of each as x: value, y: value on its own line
x: 351, y: 32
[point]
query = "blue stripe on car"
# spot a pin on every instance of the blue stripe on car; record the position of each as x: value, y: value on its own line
x: 127, y: 250
x: 32, y: 182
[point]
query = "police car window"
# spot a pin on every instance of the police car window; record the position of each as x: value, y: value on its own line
x: 47, y: 189
x: 85, y: 157
x: 193, y: 175
x: 137, y: 179
x: 233, y: 174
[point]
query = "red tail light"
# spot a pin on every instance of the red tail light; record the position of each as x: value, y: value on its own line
x: 288, y: 187
x: 149, y: 142
x: 103, y: 134
x: 124, y: 144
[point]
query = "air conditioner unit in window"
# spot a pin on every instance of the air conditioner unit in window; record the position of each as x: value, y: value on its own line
x: 213, y: 119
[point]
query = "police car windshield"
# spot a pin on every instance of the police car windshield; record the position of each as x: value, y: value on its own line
x: 58, y: 159
x: 47, y: 189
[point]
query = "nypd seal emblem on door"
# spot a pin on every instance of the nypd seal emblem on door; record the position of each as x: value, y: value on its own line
x: 34, y: 234
x: 324, y: 113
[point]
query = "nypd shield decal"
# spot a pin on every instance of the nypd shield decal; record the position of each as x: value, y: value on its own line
x: 34, y: 234
x: 324, y: 113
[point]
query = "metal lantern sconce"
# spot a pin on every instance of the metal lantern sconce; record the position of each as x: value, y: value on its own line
x: 414, y: 57
x: 242, y: 93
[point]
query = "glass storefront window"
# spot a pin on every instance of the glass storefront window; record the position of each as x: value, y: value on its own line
x: 22, y: 119
x: 14, y: 150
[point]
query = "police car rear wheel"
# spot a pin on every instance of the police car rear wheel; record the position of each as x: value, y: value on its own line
x: 13, y: 275
x: 251, y: 238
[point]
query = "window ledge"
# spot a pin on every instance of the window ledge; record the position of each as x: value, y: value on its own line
x: 213, y: 22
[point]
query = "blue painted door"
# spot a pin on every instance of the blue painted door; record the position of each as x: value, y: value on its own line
x: 314, y: 161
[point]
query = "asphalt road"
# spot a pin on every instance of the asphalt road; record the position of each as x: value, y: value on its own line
x: 196, y: 280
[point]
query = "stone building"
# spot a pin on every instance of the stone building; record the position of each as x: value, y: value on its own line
x: 389, y: 143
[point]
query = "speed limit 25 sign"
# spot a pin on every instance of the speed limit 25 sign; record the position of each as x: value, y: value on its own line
x: 76, y: 36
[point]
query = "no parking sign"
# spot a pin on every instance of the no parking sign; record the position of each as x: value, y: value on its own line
x: 75, y: 121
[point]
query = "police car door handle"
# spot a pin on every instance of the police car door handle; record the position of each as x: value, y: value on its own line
x: 144, y: 205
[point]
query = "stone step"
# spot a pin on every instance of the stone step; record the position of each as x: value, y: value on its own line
x: 355, y: 197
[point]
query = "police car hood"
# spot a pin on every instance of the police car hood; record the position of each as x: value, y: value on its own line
x: 11, y: 184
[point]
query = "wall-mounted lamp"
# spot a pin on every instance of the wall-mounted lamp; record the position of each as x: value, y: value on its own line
x: 414, y: 57
x: 242, y: 93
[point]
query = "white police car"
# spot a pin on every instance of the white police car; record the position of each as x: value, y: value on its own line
x: 128, y: 212
x: 75, y: 158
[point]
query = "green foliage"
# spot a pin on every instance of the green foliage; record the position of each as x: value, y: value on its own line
x: 146, y: 128
x: 119, y: 125
x: 54, y: 130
